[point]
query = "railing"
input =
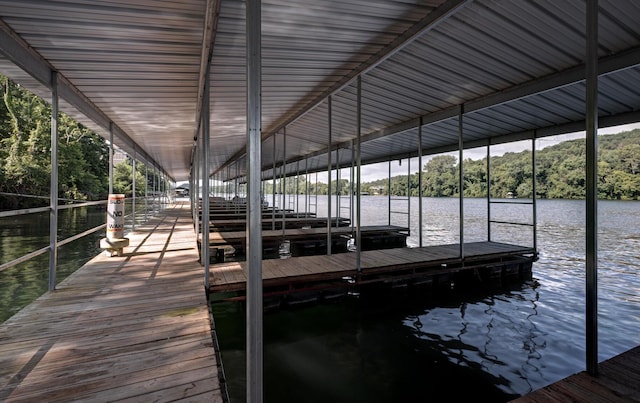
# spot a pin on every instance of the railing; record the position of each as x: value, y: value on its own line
x: 157, y: 203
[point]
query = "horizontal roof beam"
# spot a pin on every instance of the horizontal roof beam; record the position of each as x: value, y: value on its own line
x: 576, y: 74
x: 20, y: 53
x: 606, y: 65
x: 429, y: 22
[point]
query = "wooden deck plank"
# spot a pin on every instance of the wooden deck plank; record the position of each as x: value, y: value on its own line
x: 371, y: 261
x: 235, y: 237
x: 618, y: 380
x: 134, y: 327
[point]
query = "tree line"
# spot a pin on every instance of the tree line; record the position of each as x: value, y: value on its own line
x: 25, y: 155
x: 560, y: 174
x: 25, y: 165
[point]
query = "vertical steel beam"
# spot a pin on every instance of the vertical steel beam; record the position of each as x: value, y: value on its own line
x: 133, y: 186
x: 154, y: 187
x: 409, y: 194
x: 461, y: 178
x: 283, y: 184
x: 489, y: 190
x: 315, y: 195
x: 329, y: 146
x: 389, y: 193
x: 306, y: 186
x: 358, y: 176
x: 146, y: 186
x: 534, y: 191
x: 110, y: 157
x: 338, y: 187
x: 205, y: 116
x: 420, y: 240
x: 592, y: 187
x: 53, y: 191
x: 196, y: 192
x: 351, y: 185
x: 297, y: 186
x: 254, y: 213
x: 273, y: 187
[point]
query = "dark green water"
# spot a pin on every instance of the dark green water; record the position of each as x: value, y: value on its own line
x: 409, y: 347
x: 371, y: 348
x: 486, y: 345
x: 22, y: 284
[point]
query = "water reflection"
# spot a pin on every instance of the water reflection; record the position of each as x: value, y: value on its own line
x: 22, y: 284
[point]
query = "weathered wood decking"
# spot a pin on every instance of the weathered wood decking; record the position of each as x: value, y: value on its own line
x: 131, y: 328
x: 618, y: 380
x: 240, y: 224
x: 382, y: 264
x: 217, y: 238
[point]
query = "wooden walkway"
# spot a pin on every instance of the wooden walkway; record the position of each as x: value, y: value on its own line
x: 377, y: 265
x: 131, y: 328
x: 618, y: 381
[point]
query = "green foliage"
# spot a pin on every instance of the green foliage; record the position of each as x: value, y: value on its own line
x: 123, y: 178
x: 25, y: 152
x: 560, y: 172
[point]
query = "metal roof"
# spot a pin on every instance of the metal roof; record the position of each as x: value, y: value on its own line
x: 516, y: 69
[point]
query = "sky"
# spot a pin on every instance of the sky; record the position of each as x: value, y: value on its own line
x: 374, y: 172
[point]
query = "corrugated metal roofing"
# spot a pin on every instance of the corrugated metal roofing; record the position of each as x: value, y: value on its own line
x: 515, y: 67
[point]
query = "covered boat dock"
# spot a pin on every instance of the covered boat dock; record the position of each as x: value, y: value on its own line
x: 225, y: 91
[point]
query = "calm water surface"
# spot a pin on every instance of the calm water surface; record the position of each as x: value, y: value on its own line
x: 384, y: 347
x: 496, y: 344
x: 22, y: 284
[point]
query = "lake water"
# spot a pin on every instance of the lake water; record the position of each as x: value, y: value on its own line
x: 21, y: 284
x: 413, y: 348
x: 388, y: 347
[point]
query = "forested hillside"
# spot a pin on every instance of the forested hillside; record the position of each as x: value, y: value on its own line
x: 560, y: 172
x: 25, y: 155
x: 25, y: 152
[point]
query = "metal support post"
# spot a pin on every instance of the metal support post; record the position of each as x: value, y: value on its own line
x: 254, y: 217
x: 489, y: 190
x: 351, y: 185
x: 146, y: 186
x: 409, y: 194
x: 592, y: 187
x: 534, y: 190
x: 110, y: 157
x: 196, y: 190
x: 297, y: 207
x: 205, y: 183
x: 420, y: 241
x: 273, y: 187
x: 358, y: 176
x: 53, y: 191
x: 306, y: 186
x: 329, y: 146
x: 133, y: 190
x: 461, y: 179
x: 283, y: 187
x: 338, y: 187
x: 153, y: 205
x: 389, y: 193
